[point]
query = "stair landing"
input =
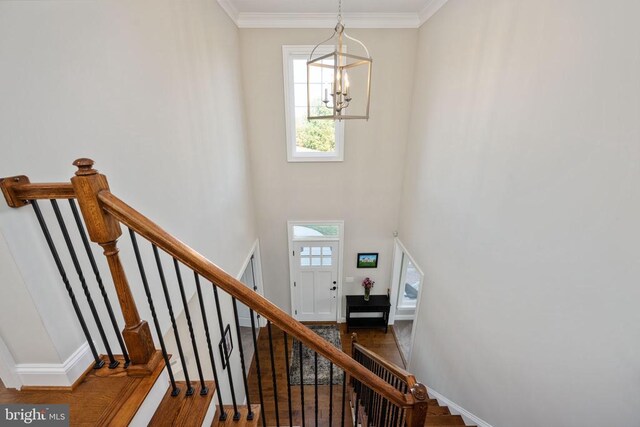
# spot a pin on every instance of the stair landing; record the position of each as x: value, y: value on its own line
x: 101, y: 397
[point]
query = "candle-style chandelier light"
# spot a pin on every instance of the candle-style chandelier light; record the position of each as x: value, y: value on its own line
x: 350, y: 76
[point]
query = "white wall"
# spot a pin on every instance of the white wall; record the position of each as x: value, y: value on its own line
x: 149, y: 89
x: 30, y: 343
x: 521, y: 204
x: 363, y: 190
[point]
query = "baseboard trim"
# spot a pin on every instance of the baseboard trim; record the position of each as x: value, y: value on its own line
x: 56, y: 374
x: 405, y: 317
x: 456, y: 409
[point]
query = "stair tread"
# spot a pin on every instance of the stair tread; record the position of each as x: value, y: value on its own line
x: 101, y: 397
x: 242, y: 422
x: 444, y: 420
x: 437, y: 410
x: 182, y: 409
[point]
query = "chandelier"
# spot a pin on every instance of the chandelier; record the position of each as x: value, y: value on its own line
x: 350, y: 77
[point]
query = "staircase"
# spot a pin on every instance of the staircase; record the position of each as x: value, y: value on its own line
x: 190, y: 375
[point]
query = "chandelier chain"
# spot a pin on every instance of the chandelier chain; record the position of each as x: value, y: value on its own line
x: 340, y: 11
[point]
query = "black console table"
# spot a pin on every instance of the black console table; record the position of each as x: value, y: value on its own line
x: 376, y: 304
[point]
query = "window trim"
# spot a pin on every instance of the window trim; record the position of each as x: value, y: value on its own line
x: 288, y: 52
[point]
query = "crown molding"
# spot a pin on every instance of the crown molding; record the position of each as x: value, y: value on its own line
x: 231, y: 10
x: 327, y: 20
x: 430, y: 9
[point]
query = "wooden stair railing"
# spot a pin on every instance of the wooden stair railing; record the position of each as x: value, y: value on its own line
x: 371, y: 405
x: 103, y: 213
x: 105, y: 231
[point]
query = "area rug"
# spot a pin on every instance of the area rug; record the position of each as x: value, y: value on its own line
x: 329, y: 333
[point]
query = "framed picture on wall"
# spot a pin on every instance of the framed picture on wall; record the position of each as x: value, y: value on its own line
x: 367, y: 260
x: 226, y: 345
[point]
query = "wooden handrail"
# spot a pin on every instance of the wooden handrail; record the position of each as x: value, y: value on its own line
x: 17, y: 190
x: 103, y: 212
x: 400, y: 373
x: 205, y: 268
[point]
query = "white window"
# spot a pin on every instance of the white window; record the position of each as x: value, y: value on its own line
x: 315, y: 140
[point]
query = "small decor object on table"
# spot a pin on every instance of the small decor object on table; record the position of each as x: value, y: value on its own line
x: 367, y: 284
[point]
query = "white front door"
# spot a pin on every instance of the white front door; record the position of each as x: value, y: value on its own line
x: 315, y: 280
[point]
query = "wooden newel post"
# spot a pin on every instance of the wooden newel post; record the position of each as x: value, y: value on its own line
x: 354, y: 340
x: 417, y: 415
x: 105, y: 230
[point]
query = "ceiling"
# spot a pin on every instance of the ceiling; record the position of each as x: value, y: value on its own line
x: 322, y: 14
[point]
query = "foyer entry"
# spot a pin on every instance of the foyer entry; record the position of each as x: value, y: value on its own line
x: 314, y: 267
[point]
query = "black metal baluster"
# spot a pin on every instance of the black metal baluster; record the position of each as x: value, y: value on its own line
x: 56, y: 257
x: 113, y: 363
x: 394, y: 416
x: 302, y: 385
x: 370, y: 394
x: 286, y: 361
x: 242, y: 364
x: 389, y: 407
x: 378, y: 397
x: 394, y: 412
x: 344, y: 396
x: 330, y: 393
x: 257, y: 359
x: 273, y: 375
x: 96, y: 272
x: 374, y: 400
x: 383, y: 404
x: 203, y: 387
x: 143, y: 275
x: 236, y: 413
x: 315, y: 384
x: 223, y: 414
x: 383, y: 401
x: 356, y: 405
x: 174, y: 325
x: 365, y: 393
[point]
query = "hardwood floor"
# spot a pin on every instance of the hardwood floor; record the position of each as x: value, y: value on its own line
x: 102, y: 397
x: 182, y: 410
x: 376, y: 340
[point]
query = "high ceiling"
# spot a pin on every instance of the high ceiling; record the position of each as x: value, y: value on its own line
x: 329, y: 6
x: 322, y: 13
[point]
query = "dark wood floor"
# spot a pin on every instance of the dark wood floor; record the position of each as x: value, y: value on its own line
x: 376, y: 340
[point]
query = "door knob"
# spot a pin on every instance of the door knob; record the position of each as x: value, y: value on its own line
x: 334, y: 282
x: 334, y: 288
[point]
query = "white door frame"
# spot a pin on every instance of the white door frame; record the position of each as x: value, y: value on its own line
x: 399, y: 249
x: 257, y: 265
x: 339, y: 239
